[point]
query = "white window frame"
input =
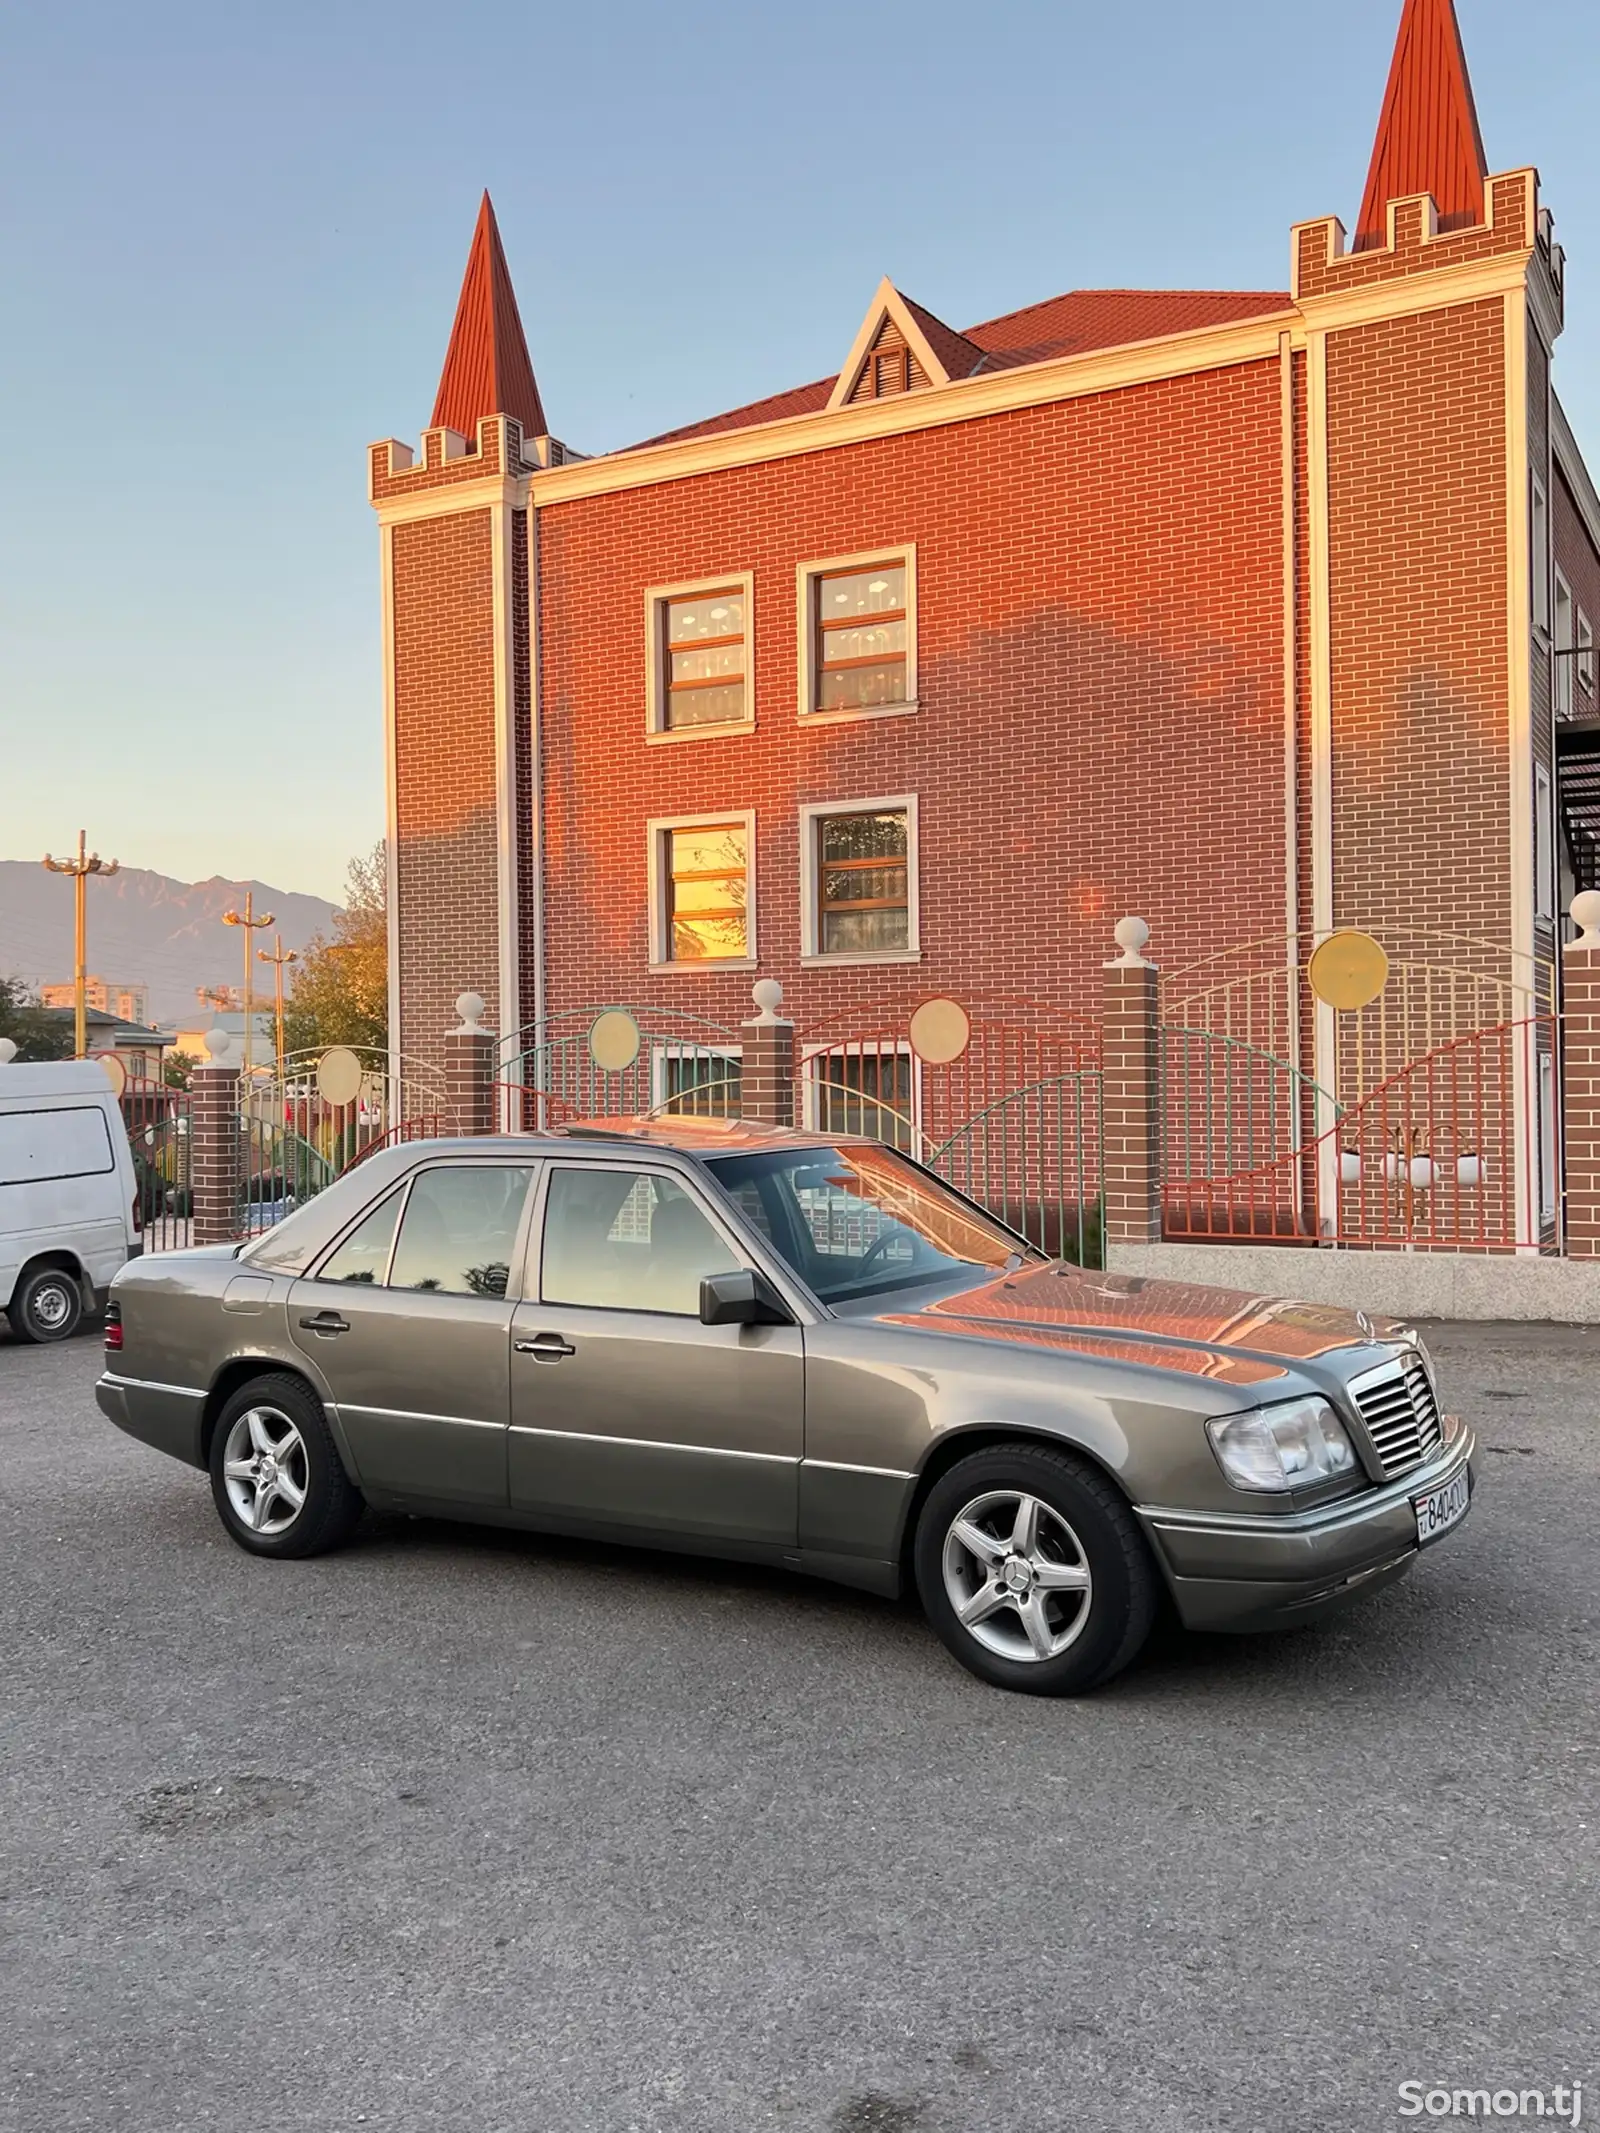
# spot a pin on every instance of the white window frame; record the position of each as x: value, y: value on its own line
x: 655, y: 658
x: 1563, y: 641
x: 664, y: 1051
x: 1584, y: 640
x: 816, y: 811
x: 806, y: 577
x: 1549, y: 1192
x: 1544, y: 845
x: 878, y: 1047
x: 1539, y: 552
x: 658, y: 859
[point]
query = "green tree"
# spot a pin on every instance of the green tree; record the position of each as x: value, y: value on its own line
x: 35, y: 1031
x: 177, y: 1069
x: 341, y: 985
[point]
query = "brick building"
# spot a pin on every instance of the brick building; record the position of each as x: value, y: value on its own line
x: 1244, y: 610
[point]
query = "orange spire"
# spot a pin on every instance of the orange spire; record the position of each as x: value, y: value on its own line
x: 1428, y: 139
x: 487, y: 371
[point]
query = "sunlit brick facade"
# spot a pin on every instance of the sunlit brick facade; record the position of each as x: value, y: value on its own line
x: 1234, y: 609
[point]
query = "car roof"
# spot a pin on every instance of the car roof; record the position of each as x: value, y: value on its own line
x: 309, y: 1227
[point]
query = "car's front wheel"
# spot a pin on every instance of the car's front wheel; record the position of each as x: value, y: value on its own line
x: 1032, y: 1570
x: 279, y: 1485
x: 46, y: 1305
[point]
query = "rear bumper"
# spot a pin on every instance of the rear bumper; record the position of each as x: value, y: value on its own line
x: 1241, y: 1571
x: 168, y: 1417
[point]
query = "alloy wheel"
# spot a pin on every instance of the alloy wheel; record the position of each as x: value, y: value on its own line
x: 265, y: 1470
x: 1017, y: 1576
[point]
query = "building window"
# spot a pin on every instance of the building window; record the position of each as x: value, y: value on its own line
x: 858, y: 636
x: 699, y: 656
x: 1547, y: 1138
x: 863, y: 1087
x: 702, y: 903
x: 698, y: 1081
x: 1544, y: 845
x: 1539, y: 552
x: 1584, y: 662
x: 859, y: 881
x: 1562, y: 646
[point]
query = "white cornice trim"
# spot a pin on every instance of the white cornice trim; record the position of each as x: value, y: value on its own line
x: 1410, y: 293
x: 989, y: 393
x: 481, y: 495
x: 887, y: 303
x: 1564, y: 449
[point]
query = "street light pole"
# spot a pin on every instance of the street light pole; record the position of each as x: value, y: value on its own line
x: 278, y: 958
x: 80, y: 869
x: 251, y: 924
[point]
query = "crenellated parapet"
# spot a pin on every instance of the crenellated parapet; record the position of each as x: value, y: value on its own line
x: 1320, y: 264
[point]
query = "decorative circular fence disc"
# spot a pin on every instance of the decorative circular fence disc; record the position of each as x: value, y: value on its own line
x: 614, y: 1041
x: 339, y: 1075
x: 115, y: 1071
x: 940, y: 1031
x: 1348, y: 971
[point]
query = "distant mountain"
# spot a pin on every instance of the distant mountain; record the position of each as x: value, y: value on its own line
x: 144, y: 930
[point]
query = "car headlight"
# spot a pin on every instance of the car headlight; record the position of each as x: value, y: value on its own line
x: 1292, y: 1445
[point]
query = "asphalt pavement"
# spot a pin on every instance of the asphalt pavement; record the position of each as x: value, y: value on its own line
x: 466, y: 1833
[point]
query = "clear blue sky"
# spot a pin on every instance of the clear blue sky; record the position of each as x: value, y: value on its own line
x: 232, y: 237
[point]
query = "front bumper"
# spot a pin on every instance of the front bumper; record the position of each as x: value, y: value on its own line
x: 1237, y: 1570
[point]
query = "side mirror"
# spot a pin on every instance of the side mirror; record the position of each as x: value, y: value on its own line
x: 740, y: 1298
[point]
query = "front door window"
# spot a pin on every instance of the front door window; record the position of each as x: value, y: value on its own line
x: 627, y: 1240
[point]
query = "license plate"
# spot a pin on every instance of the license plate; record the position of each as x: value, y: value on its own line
x: 1442, y: 1508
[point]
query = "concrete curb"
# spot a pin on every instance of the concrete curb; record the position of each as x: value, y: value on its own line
x: 1395, y: 1284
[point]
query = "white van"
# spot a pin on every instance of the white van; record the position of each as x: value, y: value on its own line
x: 68, y: 1196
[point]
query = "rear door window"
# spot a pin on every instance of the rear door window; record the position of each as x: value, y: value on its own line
x: 38, y: 1146
x: 459, y: 1230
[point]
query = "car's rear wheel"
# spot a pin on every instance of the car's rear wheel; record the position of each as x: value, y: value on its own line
x: 46, y: 1305
x: 1032, y: 1570
x: 279, y: 1485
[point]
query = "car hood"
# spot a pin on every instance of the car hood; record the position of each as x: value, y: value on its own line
x: 1231, y: 1334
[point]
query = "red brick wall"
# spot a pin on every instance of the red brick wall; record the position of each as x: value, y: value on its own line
x: 1417, y: 542
x: 1100, y: 648
x: 444, y: 772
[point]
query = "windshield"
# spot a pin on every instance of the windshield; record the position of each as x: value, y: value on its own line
x: 857, y: 1219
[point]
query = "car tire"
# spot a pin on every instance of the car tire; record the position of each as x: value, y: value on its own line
x: 276, y: 1476
x: 46, y: 1305
x: 1056, y: 1615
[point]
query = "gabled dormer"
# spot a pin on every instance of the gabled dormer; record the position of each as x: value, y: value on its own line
x: 901, y: 348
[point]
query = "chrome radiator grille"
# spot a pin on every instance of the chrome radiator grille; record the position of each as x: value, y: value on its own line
x: 1401, y: 1414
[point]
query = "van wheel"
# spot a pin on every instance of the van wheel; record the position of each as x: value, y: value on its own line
x: 47, y: 1305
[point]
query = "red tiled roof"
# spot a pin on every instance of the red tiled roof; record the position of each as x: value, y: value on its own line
x: 486, y: 370
x: 959, y: 355
x: 1073, y: 324
x: 1428, y: 138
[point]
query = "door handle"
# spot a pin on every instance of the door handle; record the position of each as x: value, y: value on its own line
x: 325, y: 1322
x: 545, y: 1347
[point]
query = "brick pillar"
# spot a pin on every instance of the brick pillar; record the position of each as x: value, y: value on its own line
x: 766, y: 1078
x: 214, y: 1153
x: 469, y: 1063
x: 1580, y: 1077
x: 1130, y: 1090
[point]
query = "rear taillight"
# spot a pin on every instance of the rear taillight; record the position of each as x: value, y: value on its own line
x: 138, y: 1219
x: 113, y: 1328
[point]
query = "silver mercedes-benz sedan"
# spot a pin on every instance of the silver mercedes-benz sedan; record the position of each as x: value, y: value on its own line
x: 795, y: 1349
